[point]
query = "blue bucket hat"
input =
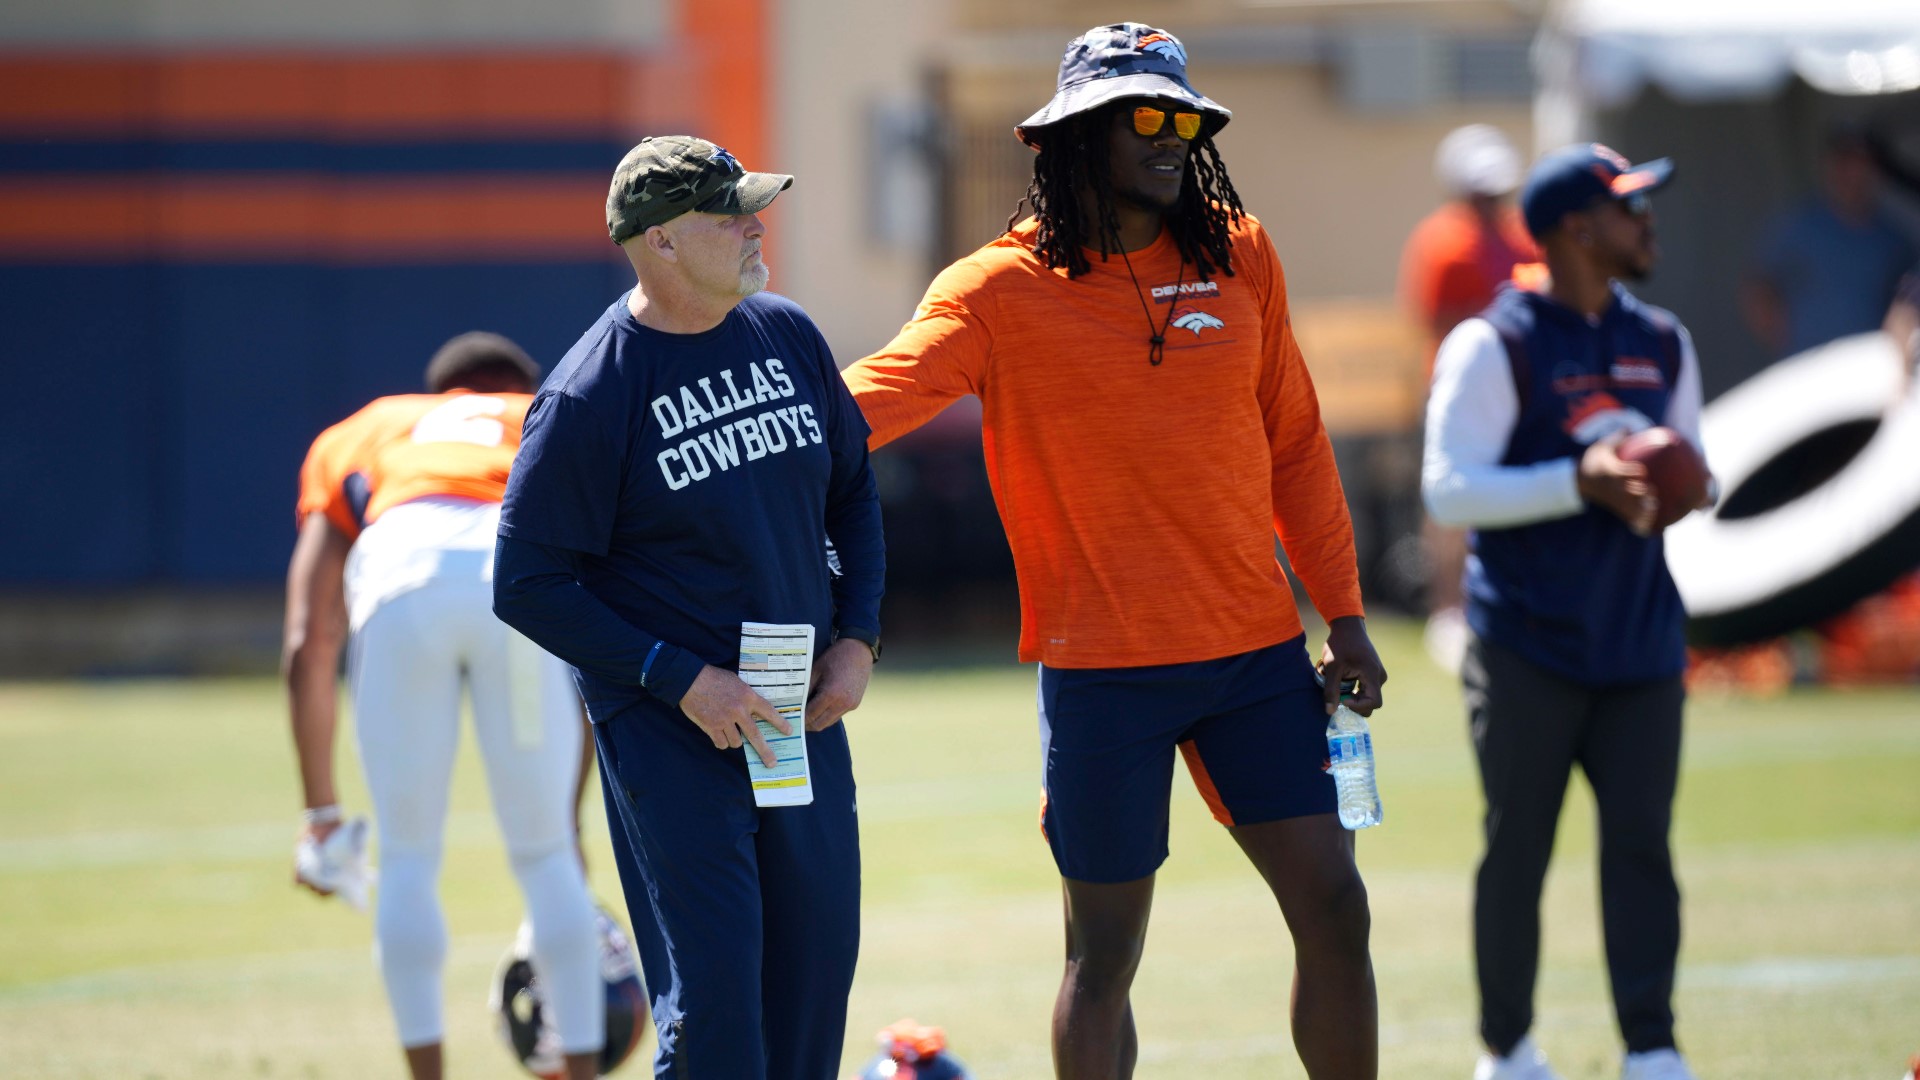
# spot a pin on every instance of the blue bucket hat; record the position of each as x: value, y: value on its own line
x: 1572, y: 178
x: 1124, y: 60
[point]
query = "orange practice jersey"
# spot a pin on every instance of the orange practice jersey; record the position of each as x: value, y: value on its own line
x: 410, y: 446
x: 1453, y: 263
x: 1141, y: 501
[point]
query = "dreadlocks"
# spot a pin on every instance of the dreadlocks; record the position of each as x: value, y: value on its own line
x: 1074, y: 157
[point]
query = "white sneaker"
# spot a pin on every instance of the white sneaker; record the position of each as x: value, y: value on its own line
x: 1523, y: 1062
x: 1656, y: 1065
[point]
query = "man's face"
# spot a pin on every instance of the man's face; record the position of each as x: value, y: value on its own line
x: 1623, y: 237
x: 1147, y: 170
x: 720, y: 253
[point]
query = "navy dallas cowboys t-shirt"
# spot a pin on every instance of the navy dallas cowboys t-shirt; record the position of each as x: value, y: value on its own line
x: 699, y: 477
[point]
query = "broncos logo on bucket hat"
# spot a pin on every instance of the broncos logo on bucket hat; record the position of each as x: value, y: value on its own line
x: 1123, y: 60
x: 668, y: 175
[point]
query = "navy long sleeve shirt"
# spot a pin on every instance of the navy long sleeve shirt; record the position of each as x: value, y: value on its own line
x: 671, y: 486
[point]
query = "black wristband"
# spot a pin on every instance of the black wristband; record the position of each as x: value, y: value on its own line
x: 865, y: 637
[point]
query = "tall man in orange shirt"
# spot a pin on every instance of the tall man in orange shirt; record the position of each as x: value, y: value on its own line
x: 399, y: 504
x: 1150, y: 427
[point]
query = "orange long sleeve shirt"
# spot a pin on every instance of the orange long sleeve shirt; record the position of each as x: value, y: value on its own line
x: 1141, y: 501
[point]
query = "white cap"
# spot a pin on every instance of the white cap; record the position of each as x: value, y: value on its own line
x: 1477, y: 160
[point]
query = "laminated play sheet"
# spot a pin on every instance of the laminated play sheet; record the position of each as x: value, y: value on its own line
x: 776, y: 659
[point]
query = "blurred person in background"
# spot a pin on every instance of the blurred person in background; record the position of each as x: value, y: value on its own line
x: 1453, y: 261
x: 398, y: 508
x: 678, y: 474
x: 1829, y: 266
x: 1459, y: 254
x: 1577, y: 649
x: 1150, y: 428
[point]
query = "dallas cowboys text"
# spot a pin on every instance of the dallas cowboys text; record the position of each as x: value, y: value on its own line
x: 706, y: 400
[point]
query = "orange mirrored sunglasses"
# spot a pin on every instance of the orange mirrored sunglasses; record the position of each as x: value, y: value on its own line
x: 1149, y: 121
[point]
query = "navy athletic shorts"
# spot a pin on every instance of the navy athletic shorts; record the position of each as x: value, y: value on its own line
x: 1252, y: 728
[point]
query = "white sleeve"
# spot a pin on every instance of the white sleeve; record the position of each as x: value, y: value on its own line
x: 1683, y: 408
x: 1471, y: 413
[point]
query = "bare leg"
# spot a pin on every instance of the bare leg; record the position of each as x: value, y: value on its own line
x: 424, y: 1062
x: 1093, y: 1032
x: 1308, y: 863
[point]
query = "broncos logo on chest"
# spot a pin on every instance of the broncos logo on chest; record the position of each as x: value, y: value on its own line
x: 1192, y: 318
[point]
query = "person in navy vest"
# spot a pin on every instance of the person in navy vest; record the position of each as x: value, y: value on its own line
x: 693, y: 463
x: 1577, y: 651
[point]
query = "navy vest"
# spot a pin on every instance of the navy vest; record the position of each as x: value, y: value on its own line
x: 1581, y: 596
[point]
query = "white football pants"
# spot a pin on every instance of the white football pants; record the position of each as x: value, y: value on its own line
x: 410, y: 657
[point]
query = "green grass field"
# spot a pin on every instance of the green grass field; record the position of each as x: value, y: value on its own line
x: 148, y: 927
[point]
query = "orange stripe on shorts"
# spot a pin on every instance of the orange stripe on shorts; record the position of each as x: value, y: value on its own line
x: 1204, y: 782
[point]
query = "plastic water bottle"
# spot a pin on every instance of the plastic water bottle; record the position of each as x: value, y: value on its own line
x: 1350, y: 759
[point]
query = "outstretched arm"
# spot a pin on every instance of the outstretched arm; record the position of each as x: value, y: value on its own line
x: 939, y: 357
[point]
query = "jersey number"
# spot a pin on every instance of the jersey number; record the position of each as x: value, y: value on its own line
x: 468, y: 418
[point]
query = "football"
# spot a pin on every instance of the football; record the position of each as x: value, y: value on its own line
x: 1675, y: 470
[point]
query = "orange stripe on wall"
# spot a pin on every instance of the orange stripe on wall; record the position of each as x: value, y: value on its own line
x: 299, y: 219
x: 82, y: 95
x: 242, y: 93
x: 724, y: 47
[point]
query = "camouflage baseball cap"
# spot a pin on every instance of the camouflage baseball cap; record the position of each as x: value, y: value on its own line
x: 668, y: 175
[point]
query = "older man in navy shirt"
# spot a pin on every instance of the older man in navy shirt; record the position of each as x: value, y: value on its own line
x: 684, y: 470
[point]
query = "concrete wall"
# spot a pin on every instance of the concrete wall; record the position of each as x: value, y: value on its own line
x: 838, y: 65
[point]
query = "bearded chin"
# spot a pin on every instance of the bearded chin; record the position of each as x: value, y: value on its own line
x: 754, y: 280
x: 1144, y: 201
